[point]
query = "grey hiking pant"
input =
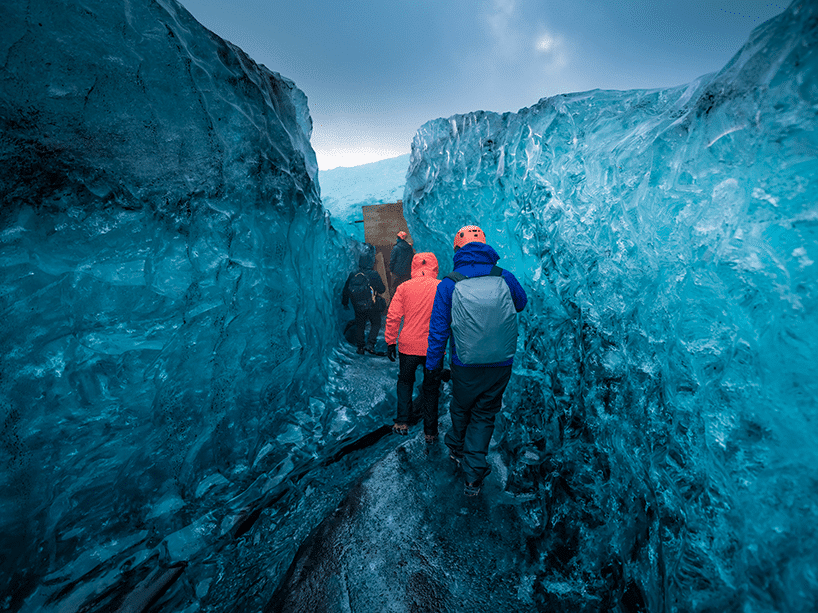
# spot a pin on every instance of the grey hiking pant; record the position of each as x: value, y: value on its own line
x: 477, y: 396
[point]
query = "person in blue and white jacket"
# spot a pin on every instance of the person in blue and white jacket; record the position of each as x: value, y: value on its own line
x: 476, y: 306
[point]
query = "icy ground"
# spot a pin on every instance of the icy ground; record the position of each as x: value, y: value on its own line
x: 407, y: 539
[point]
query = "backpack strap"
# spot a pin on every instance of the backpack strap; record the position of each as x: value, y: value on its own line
x: 495, y: 271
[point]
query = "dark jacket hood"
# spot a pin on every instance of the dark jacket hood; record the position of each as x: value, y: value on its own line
x: 366, y: 261
x: 475, y: 253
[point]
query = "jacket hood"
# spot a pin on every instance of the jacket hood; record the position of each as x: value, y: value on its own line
x: 475, y: 253
x: 424, y: 265
x: 366, y: 261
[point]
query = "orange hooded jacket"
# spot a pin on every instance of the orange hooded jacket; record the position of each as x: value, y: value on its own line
x: 412, y: 302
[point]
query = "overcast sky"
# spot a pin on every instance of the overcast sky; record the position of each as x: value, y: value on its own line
x: 374, y: 71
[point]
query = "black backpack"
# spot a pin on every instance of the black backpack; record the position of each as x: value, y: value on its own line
x: 361, y: 292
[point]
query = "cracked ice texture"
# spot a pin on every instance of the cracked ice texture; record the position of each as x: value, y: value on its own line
x: 662, y: 421
x: 167, y: 276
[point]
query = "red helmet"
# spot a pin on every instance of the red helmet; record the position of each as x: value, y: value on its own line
x: 468, y: 234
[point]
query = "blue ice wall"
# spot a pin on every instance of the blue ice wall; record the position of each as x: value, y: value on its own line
x: 660, y: 428
x: 169, y: 282
x: 345, y: 190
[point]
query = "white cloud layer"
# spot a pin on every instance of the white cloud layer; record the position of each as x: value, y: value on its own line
x: 500, y: 19
x: 335, y: 158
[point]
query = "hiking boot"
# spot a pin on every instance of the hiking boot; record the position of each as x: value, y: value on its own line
x: 373, y: 352
x: 401, y: 429
x: 430, y: 438
x: 360, y: 350
x: 473, y: 488
x: 455, y: 456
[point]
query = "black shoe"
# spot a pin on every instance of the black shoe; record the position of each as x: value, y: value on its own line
x: 473, y: 488
x: 373, y: 352
x: 455, y: 456
x: 360, y: 350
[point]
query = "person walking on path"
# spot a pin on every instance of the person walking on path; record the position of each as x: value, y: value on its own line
x: 400, y: 261
x: 362, y: 289
x: 412, y: 304
x: 477, y: 305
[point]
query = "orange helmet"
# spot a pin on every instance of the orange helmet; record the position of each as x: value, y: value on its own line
x: 468, y: 234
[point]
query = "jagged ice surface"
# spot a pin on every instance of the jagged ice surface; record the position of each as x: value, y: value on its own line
x: 662, y: 419
x: 169, y: 287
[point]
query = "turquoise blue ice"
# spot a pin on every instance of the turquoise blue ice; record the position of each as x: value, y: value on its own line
x: 179, y: 410
x: 345, y: 190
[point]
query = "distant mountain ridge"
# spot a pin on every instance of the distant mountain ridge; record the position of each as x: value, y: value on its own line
x: 345, y: 190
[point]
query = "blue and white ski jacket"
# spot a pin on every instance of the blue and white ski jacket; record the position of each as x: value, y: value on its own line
x: 472, y: 260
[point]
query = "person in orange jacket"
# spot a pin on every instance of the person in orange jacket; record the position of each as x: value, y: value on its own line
x: 412, y: 303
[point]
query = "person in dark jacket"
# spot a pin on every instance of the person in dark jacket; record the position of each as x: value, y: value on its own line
x: 477, y: 387
x: 400, y: 262
x: 361, y: 289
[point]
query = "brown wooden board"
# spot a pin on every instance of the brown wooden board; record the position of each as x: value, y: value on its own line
x: 382, y: 222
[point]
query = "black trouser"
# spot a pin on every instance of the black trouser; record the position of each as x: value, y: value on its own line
x: 477, y: 396
x: 372, y: 316
x: 430, y: 393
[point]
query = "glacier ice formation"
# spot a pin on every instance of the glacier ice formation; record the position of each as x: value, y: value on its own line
x: 170, y: 282
x: 178, y: 409
x: 663, y: 415
x: 345, y: 190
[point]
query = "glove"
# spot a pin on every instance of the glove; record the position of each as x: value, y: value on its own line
x: 433, y: 375
x: 391, y: 350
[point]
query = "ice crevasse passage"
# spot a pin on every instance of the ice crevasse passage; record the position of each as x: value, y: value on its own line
x: 176, y: 410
